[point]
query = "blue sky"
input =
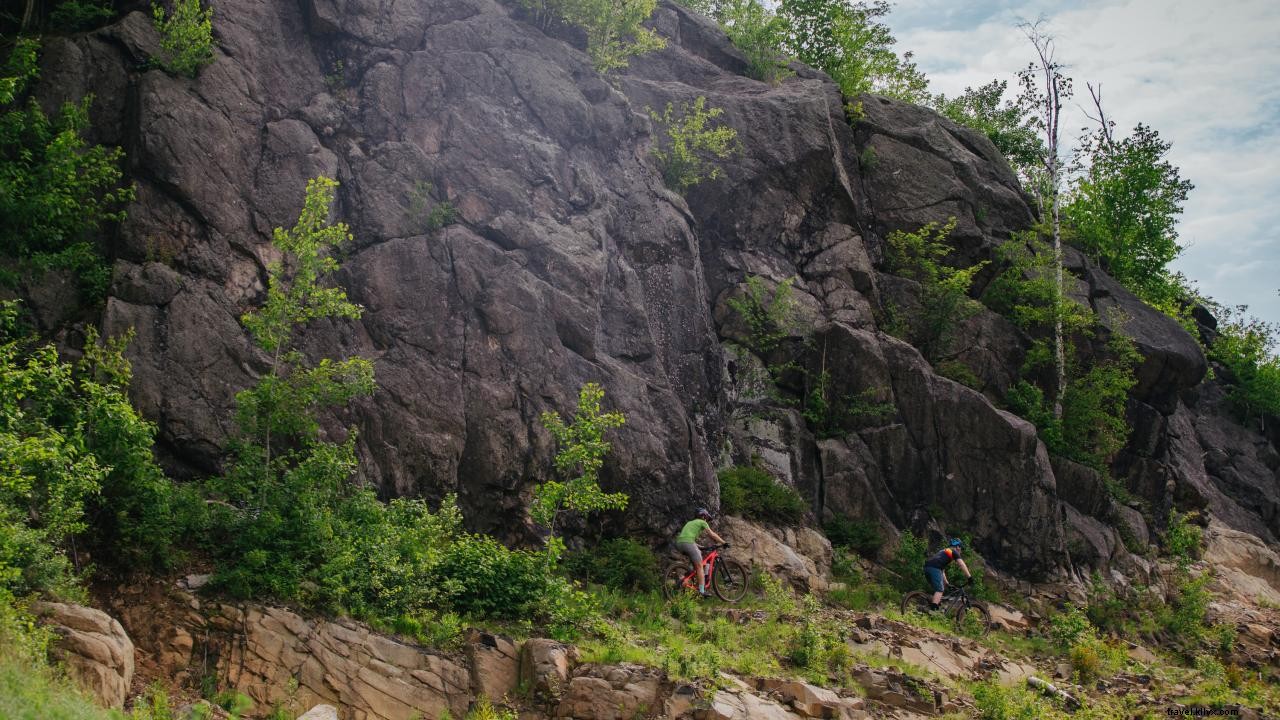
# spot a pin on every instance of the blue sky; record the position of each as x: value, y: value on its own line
x: 1205, y: 74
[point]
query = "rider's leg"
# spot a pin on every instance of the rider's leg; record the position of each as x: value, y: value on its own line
x: 935, y: 577
x: 695, y: 554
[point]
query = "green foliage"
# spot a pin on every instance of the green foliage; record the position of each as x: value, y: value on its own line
x: 56, y: 190
x: 829, y: 414
x: 1182, y: 540
x: 618, y: 563
x: 862, y: 536
x: 1124, y: 211
x: 751, y: 492
x: 186, y: 36
x: 756, y: 31
x: 769, y: 319
x: 579, y: 459
x: 693, y: 144
x: 1245, y: 349
x: 72, y: 450
x: 850, y: 42
x: 425, y: 213
x: 944, y: 296
x: 613, y: 27
x: 907, y: 564
x: 1003, y: 122
x: 1091, y: 427
x: 76, y: 15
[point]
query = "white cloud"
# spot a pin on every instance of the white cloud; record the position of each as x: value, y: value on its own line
x: 1205, y: 75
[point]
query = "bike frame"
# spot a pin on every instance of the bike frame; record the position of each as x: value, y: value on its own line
x: 709, y: 558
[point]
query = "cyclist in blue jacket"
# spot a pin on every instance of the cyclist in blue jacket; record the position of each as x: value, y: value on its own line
x: 935, y: 569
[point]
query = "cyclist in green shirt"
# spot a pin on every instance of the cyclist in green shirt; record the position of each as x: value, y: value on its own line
x: 687, y: 543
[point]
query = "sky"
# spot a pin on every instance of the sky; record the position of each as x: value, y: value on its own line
x: 1204, y: 73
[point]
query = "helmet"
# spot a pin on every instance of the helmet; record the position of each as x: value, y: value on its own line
x: 704, y: 513
x: 955, y: 542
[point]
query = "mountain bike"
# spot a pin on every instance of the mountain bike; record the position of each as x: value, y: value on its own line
x: 727, y: 577
x: 956, y: 604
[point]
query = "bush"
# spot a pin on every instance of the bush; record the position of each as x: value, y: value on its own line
x: 753, y: 493
x: 756, y: 31
x: 56, y: 190
x: 1069, y: 628
x: 613, y: 27
x: 75, y: 15
x: 619, y: 563
x: 692, y: 145
x: 186, y: 36
x: 861, y: 536
x: 944, y: 290
x: 1182, y: 539
x: 1245, y: 348
x: 907, y: 564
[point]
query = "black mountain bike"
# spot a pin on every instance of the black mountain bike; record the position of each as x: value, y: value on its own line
x: 956, y: 604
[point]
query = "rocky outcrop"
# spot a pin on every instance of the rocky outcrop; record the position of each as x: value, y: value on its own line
x: 571, y: 262
x: 93, y: 645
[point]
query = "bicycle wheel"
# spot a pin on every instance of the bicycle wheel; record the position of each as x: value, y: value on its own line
x: 729, y: 580
x: 916, y: 601
x: 973, y: 609
x: 673, y: 580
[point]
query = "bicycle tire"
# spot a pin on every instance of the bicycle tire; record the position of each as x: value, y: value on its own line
x: 729, y: 581
x: 980, y: 609
x: 917, y: 601
x: 673, y: 579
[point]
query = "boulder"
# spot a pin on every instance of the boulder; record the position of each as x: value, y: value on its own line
x: 611, y: 692
x: 320, y: 712
x: 494, y: 663
x: 752, y: 543
x: 1246, y: 566
x: 97, y: 651
x: 544, y: 668
x: 1008, y: 618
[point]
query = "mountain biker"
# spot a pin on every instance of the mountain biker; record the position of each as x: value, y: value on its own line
x: 687, y: 543
x: 935, y: 569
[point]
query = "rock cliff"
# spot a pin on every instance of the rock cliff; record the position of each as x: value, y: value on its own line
x: 570, y: 262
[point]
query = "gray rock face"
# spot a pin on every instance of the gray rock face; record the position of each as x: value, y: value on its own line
x: 571, y: 262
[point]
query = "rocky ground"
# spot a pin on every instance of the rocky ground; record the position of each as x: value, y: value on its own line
x: 648, y: 660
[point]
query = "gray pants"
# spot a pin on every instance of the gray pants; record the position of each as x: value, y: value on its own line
x: 695, y: 554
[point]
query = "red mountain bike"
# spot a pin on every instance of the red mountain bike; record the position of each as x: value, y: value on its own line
x: 727, y: 577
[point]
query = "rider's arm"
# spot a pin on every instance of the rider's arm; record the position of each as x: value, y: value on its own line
x: 719, y: 540
x: 965, y: 568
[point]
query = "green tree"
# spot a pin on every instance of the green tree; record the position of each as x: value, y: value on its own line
x: 1124, y: 211
x: 1245, y: 349
x: 944, y: 290
x: 613, y: 27
x: 75, y: 457
x: 280, y: 491
x: 1044, y: 89
x: 579, y: 459
x: 692, y: 145
x: 56, y: 190
x: 984, y: 109
x: 186, y: 36
x: 850, y: 42
x: 754, y: 29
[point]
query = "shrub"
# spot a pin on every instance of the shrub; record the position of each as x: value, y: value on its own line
x: 186, y: 36
x: 1069, y: 628
x: 944, y: 290
x: 693, y: 144
x: 756, y: 31
x: 907, y: 564
x: 582, y: 448
x: 1182, y: 539
x: 753, y: 493
x: 426, y: 214
x: 75, y: 15
x: 613, y: 27
x: 56, y: 190
x: 1245, y: 348
x: 619, y: 563
x: 769, y: 317
x: 861, y: 536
